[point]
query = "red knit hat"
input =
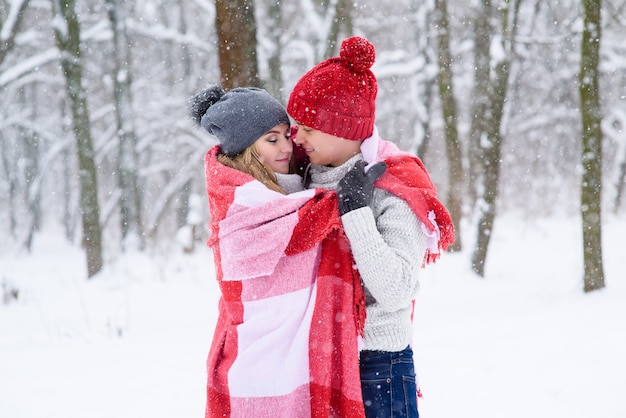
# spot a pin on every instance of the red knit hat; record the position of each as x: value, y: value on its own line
x: 338, y: 96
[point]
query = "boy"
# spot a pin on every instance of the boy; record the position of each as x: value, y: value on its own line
x: 393, y: 228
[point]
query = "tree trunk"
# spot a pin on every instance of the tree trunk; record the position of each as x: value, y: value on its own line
x: 491, y: 139
x: 184, y: 193
x: 69, y: 218
x: 236, y: 34
x: 9, y: 174
x: 9, y: 28
x: 480, y: 95
x: 425, y: 80
x: 448, y: 105
x: 342, y: 18
x: 621, y: 184
x: 591, y: 187
x: 32, y: 198
x: 130, y: 199
x: 275, y: 83
x: 16, y: 9
x: 67, y: 34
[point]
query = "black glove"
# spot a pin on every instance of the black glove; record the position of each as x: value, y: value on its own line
x: 356, y: 189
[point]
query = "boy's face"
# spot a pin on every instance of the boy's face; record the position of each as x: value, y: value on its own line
x: 325, y: 149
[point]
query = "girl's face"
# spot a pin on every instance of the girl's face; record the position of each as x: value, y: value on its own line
x: 275, y: 148
x: 325, y: 149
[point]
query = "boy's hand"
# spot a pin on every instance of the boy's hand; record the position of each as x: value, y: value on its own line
x: 356, y: 189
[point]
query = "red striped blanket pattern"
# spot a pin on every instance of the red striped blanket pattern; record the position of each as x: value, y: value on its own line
x: 292, y: 307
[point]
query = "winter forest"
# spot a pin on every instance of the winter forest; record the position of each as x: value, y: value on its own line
x: 95, y: 138
x: 516, y: 107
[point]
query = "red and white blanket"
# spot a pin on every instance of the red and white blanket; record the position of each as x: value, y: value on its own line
x: 292, y: 307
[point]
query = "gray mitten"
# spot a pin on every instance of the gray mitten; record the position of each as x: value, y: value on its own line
x: 356, y: 189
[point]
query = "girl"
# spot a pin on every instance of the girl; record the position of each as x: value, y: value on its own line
x: 291, y: 308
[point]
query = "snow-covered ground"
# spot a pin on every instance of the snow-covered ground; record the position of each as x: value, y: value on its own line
x: 523, y: 342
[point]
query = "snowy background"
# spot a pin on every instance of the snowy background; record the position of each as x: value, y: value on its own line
x: 523, y: 342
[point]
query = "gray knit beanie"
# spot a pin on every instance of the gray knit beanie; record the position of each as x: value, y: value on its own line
x: 237, y: 118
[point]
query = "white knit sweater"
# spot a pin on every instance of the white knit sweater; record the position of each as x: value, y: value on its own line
x: 290, y: 183
x: 388, y: 246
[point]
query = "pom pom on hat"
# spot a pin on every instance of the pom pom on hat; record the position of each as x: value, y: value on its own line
x: 236, y: 118
x: 200, y: 103
x: 338, y: 96
x: 358, y: 54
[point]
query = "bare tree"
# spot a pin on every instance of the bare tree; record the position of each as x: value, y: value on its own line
x: 620, y: 183
x: 67, y: 35
x: 275, y: 83
x: 448, y: 107
x: 185, y: 191
x: 31, y: 170
x: 480, y: 103
x: 491, y: 137
x: 9, y: 25
x: 10, y: 19
x: 341, y: 18
x: 591, y: 114
x: 424, y: 79
x: 9, y: 176
x: 130, y: 199
x: 236, y: 33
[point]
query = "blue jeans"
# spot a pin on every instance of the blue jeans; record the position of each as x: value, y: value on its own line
x: 388, y: 384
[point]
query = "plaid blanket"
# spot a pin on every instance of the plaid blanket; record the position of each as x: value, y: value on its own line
x: 292, y: 308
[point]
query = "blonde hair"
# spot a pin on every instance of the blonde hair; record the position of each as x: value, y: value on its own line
x: 249, y: 162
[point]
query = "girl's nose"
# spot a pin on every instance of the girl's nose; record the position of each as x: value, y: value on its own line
x: 287, y: 146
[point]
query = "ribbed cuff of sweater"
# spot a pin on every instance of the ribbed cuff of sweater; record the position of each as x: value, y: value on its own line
x: 359, y: 225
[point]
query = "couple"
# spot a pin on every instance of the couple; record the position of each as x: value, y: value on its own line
x: 317, y: 248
